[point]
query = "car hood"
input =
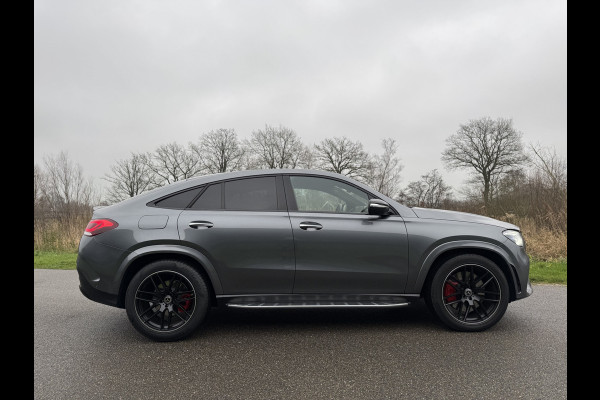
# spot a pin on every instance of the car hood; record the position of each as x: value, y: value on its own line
x: 430, y: 213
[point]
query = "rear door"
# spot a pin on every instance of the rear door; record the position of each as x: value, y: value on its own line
x: 243, y: 227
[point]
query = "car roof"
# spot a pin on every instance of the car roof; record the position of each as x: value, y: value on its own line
x: 207, y: 179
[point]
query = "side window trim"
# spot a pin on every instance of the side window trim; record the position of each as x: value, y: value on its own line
x: 289, y: 194
x: 280, y: 192
x: 286, y: 201
x: 222, y: 183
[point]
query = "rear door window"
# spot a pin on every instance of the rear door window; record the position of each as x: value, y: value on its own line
x: 253, y: 194
x: 210, y: 199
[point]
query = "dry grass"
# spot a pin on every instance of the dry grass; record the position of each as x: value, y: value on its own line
x: 542, y: 243
x: 545, y: 232
x: 59, y: 234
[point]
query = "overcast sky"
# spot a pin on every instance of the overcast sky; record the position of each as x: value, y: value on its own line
x: 112, y: 77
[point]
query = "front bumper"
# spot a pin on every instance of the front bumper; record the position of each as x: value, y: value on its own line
x: 519, y: 268
x: 524, y: 292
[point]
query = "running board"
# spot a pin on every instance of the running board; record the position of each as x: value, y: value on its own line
x: 317, y: 304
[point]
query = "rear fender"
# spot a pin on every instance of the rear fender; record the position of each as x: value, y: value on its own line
x: 173, y: 249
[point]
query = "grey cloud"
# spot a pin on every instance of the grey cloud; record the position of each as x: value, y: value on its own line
x: 121, y: 76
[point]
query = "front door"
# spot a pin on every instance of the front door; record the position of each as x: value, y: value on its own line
x: 339, y: 247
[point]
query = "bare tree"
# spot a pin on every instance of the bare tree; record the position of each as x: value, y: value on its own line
x: 173, y: 162
x: 384, y: 169
x: 220, y: 151
x: 430, y: 191
x: 39, y: 184
x: 511, y: 182
x: 551, y: 165
x: 63, y: 200
x: 41, y: 202
x: 490, y: 148
x: 66, y: 188
x: 274, y: 148
x: 307, y: 159
x: 343, y: 156
x: 548, y: 186
x: 129, y: 177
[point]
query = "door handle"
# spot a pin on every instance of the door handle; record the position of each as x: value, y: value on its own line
x: 310, y: 226
x: 200, y: 224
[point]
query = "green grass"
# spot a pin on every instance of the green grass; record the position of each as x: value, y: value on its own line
x: 548, y: 271
x: 540, y: 271
x: 54, y: 259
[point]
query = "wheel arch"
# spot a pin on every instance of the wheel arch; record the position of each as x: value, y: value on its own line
x: 449, y: 250
x: 141, y: 257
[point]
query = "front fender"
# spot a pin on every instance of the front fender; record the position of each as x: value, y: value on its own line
x: 173, y: 249
x: 429, y: 259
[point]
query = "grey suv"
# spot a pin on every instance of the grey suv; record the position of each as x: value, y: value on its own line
x: 294, y: 238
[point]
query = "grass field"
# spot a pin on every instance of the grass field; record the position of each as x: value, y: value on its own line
x: 548, y: 271
x: 54, y: 259
x: 540, y: 272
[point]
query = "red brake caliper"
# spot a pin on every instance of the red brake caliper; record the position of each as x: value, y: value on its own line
x: 448, y: 290
x: 187, y: 303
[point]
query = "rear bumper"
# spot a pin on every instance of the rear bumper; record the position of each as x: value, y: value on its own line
x: 94, y: 294
x: 96, y: 266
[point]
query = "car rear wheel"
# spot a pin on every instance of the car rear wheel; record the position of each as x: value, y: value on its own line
x: 468, y: 293
x: 167, y: 300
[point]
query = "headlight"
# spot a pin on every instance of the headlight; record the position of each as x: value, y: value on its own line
x: 515, y: 236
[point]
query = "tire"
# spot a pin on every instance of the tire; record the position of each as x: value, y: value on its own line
x: 167, y: 300
x: 468, y: 293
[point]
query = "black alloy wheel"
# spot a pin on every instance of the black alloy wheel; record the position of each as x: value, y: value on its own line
x: 469, y: 293
x: 166, y: 300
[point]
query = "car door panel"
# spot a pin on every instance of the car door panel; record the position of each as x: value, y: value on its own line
x: 350, y: 254
x: 252, y: 251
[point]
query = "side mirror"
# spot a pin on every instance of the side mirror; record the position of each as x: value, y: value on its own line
x: 378, y: 207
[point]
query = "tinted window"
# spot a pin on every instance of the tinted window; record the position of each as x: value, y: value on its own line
x: 328, y: 195
x: 210, y: 199
x: 179, y: 200
x: 251, y: 194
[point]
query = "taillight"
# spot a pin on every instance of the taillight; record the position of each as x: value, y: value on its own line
x: 97, y: 226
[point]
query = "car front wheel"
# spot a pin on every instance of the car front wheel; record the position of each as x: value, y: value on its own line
x: 469, y: 293
x: 167, y: 300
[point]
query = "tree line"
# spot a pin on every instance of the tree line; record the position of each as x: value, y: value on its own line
x: 506, y: 177
x: 274, y: 147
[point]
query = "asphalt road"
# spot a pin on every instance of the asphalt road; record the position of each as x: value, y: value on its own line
x: 86, y: 350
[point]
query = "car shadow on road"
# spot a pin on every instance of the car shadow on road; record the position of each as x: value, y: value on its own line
x: 413, y: 319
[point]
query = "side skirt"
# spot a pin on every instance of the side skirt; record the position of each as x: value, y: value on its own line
x: 316, y: 300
